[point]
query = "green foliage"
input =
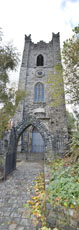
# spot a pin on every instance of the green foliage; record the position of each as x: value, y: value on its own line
x: 9, y: 109
x: 45, y: 228
x: 71, y: 66
x: 9, y: 97
x: 9, y: 58
x: 63, y: 188
x: 76, y: 112
x: 70, y: 123
x: 76, y: 30
x: 55, y: 83
x: 74, y: 146
x: 75, y: 141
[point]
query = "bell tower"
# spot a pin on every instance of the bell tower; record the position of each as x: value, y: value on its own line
x: 38, y: 63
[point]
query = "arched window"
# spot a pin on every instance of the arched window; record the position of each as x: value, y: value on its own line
x: 40, y: 60
x: 39, y: 93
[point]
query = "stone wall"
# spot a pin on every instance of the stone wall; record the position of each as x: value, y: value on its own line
x: 61, y: 218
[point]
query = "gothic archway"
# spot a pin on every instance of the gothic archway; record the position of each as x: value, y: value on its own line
x: 19, y: 129
x: 35, y: 122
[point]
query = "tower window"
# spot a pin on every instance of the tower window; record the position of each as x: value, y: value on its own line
x: 40, y: 60
x: 39, y: 93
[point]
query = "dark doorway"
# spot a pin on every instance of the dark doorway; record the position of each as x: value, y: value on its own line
x: 37, y: 142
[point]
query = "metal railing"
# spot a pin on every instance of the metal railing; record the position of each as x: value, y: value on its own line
x: 58, y: 143
x: 10, y: 163
x: 10, y: 157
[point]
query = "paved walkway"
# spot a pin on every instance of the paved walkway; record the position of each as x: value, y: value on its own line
x: 14, y: 192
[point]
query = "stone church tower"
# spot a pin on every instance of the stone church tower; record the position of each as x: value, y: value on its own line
x: 38, y: 62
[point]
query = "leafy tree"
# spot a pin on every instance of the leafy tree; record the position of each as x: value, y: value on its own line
x: 76, y: 112
x: 55, y: 84
x: 9, y: 97
x: 70, y: 56
x: 74, y: 146
x: 70, y: 123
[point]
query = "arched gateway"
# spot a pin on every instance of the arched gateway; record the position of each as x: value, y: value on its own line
x: 17, y: 131
x: 37, y: 123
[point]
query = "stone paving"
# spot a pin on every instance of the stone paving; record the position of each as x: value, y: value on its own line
x: 14, y: 192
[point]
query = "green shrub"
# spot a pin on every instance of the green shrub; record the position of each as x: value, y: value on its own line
x: 74, y: 146
x: 63, y: 188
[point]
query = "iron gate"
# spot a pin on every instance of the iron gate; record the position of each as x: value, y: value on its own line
x: 10, y: 162
x: 58, y: 143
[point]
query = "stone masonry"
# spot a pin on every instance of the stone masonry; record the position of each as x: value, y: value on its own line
x: 38, y: 63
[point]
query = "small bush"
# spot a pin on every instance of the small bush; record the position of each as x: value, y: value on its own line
x: 63, y: 188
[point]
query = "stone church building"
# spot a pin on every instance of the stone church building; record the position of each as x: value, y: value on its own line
x: 46, y: 124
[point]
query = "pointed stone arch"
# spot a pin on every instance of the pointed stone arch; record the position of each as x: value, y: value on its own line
x: 35, y: 122
x: 15, y: 134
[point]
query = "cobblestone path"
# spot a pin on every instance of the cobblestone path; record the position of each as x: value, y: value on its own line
x: 14, y: 192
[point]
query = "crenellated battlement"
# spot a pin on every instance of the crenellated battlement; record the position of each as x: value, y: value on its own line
x: 54, y: 36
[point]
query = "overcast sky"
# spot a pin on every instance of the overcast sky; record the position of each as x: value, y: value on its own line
x: 39, y: 18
